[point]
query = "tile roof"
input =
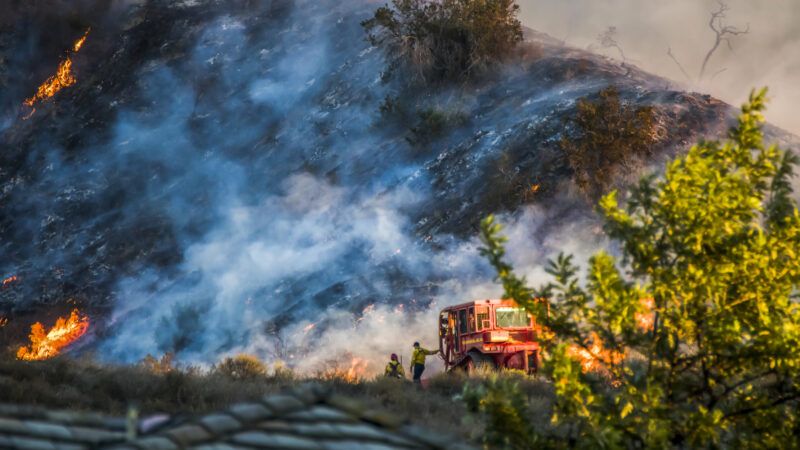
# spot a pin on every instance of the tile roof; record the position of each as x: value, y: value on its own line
x: 309, y: 417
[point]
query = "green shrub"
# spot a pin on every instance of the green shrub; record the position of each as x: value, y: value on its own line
x: 241, y: 367
x: 710, y: 259
x: 610, y: 134
x: 444, y: 40
x: 502, y: 404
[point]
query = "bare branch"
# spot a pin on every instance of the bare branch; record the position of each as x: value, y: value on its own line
x: 607, y: 39
x: 718, y: 72
x: 722, y: 33
x: 683, y: 71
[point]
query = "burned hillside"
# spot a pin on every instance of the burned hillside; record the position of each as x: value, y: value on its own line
x: 219, y: 171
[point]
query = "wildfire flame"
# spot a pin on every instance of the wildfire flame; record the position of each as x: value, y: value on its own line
x: 47, y: 345
x: 76, y: 47
x: 594, y: 357
x: 10, y: 280
x: 63, y: 78
x: 3, y: 321
x: 357, y: 370
x: 645, y: 320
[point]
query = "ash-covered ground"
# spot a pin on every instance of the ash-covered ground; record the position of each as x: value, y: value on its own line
x: 221, y: 178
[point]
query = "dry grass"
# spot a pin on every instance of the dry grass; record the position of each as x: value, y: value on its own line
x: 156, y: 385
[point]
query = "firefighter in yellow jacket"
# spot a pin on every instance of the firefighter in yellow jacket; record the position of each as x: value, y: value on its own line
x: 418, y: 361
x: 394, y: 369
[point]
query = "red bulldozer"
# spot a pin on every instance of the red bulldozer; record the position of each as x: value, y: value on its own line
x: 488, y: 333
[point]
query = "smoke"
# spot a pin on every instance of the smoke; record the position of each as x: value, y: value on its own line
x: 766, y: 56
x: 392, y: 328
x: 314, y: 224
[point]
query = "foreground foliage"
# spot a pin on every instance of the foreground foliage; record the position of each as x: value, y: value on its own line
x: 710, y: 259
x: 444, y: 40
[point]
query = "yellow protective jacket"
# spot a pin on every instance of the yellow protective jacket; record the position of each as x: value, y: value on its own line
x: 395, y: 370
x: 419, y: 354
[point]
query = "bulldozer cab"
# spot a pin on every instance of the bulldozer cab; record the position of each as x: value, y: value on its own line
x: 490, y: 330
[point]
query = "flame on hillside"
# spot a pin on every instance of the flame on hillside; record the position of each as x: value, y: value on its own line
x: 10, y: 280
x: 76, y: 47
x: 63, y: 78
x: 347, y: 368
x: 45, y: 345
x: 594, y: 357
x: 357, y: 370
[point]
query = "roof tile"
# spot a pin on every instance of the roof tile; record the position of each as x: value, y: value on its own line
x: 269, y: 441
x: 368, y: 433
x: 26, y: 443
x: 188, y: 434
x: 220, y: 423
x: 218, y: 446
x: 96, y: 436
x: 156, y: 443
x: 250, y: 412
x: 320, y: 413
x: 47, y: 430
x: 282, y: 404
x: 355, y: 445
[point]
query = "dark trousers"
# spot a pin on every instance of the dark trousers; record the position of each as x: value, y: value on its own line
x: 418, y: 369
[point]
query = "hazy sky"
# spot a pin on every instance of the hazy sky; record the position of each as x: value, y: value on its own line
x: 769, y: 55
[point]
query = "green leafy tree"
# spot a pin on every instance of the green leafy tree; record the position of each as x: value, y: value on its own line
x: 444, y: 40
x: 710, y: 254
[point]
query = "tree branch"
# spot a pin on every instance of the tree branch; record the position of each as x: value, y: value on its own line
x: 683, y: 71
x: 722, y: 33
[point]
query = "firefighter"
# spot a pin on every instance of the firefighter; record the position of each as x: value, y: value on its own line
x: 418, y: 361
x: 394, y: 369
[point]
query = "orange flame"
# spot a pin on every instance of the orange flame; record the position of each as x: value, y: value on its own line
x: 47, y: 345
x: 63, y: 78
x: 595, y: 357
x: 10, y: 280
x: 357, y: 370
x: 646, y: 319
x: 76, y: 47
x: 3, y: 321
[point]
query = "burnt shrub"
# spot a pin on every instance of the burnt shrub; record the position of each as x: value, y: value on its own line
x: 241, y: 367
x: 444, y: 40
x: 432, y: 123
x: 609, y: 135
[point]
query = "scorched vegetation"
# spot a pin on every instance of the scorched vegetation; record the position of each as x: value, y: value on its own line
x: 447, y: 40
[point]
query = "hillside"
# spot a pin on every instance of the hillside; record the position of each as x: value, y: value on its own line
x: 222, y: 171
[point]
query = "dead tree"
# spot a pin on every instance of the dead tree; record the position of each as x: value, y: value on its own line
x: 608, y: 39
x: 678, y: 63
x: 722, y: 33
